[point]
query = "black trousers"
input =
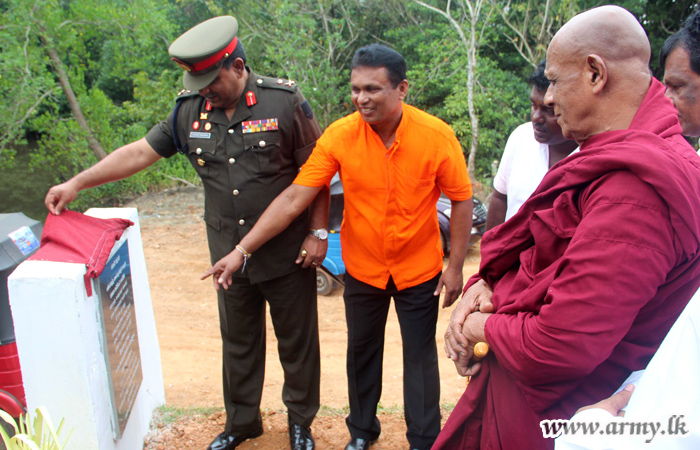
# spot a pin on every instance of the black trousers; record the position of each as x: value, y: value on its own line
x: 366, y: 309
x: 293, y: 310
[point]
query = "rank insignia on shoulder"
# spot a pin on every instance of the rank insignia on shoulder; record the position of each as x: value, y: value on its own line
x: 255, y: 126
x: 201, y: 162
x: 203, y: 116
x: 250, y: 98
x: 308, y: 112
x: 290, y: 83
x: 183, y: 92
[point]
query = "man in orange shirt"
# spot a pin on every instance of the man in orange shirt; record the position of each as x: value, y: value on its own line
x: 394, y: 160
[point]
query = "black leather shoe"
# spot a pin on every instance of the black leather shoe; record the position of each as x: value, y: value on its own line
x: 358, y: 444
x: 300, y: 438
x: 225, y: 441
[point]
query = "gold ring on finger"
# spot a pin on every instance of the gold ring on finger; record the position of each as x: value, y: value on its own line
x: 304, y: 253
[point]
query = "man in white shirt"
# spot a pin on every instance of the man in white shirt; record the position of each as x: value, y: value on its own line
x: 531, y: 150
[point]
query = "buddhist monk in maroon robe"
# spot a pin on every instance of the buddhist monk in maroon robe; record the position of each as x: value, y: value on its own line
x: 580, y: 287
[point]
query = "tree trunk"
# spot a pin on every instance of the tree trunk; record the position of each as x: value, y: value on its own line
x: 470, y: 45
x: 471, y: 60
x: 57, y: 64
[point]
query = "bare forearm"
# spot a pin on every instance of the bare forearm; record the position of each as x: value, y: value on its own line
x: 474, y: 327
x: 460, y: 227
x: 120, y: 164
x: 460, y: 230
x: 497, y: 210
x: 319, y: 209
x: 281, y: 212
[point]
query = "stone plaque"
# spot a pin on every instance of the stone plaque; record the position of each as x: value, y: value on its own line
x: 121, y: 340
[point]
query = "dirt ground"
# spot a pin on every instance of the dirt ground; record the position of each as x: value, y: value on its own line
x: 188, y: 331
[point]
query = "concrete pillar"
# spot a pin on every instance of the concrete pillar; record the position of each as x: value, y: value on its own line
x: 61, y: 346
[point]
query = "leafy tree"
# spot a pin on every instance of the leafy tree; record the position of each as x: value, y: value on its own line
x: 64, y: 53
x: 662, y: 18
x: 501, y: 101
x: 472, y: 18
x: 529, y: 25
x: 467, y: 64
x: 312, y: 43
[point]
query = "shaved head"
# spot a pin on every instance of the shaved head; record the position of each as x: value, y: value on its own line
x: 611, y: 32
x: 601, y: 57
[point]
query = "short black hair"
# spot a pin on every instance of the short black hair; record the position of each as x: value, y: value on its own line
x: 687, y: 38
x: 378, y: 55
x: 537, y: 78
x: 238, y: 52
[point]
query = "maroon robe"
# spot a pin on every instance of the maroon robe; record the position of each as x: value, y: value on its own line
x: 587, y: 279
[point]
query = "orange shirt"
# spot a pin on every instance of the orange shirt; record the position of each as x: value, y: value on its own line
x: 390, y: 225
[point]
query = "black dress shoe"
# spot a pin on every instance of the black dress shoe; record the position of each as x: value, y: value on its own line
x: 300, y: 438
x: 358, y: 444
x: 225, y: 441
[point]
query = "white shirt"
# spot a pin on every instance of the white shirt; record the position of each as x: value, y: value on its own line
x: 523, y: 165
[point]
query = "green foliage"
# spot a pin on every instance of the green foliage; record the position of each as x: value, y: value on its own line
x: 37, y: 434
x: 106, y: 48
x: 170, y: 414
x: 24, y: 82
x: 115, y: 55
x: 438, y: 85
x: 311, y: 42
x: 502, y: 103
x: 662, y: 18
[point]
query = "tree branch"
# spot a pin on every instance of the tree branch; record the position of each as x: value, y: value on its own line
x: 63, y: 79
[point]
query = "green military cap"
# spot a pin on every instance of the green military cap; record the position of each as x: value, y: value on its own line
x: 201, y: 50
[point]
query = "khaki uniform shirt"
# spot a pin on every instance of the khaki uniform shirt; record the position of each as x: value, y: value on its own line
x: 245, y: 164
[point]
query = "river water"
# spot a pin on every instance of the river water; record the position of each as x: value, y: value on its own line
x: 23, y: 189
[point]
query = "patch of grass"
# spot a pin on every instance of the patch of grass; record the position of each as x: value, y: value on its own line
x: 170, y: 414
x: 448, y: 406
x: 395, y: 409
x: 345, y: 410
x: 328, y: 411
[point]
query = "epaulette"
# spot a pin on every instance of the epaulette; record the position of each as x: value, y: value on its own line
x: 185, y: 93
x: 276, y: 83
x: 182, y: 95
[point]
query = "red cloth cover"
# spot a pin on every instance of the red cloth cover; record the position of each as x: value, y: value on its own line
x: 588, y: 278
x: 76, y: 238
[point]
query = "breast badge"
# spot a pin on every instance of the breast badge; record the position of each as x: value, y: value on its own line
x: 255, y: 126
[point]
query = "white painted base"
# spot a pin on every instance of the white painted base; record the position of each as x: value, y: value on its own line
x: 58, y: 340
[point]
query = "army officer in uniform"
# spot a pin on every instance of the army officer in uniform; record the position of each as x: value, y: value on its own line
x: 246, y: 136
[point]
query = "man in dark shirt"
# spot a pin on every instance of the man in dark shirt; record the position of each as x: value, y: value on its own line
x: 246, y: 136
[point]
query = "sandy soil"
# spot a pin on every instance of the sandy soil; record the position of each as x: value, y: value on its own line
x: 186, y: 317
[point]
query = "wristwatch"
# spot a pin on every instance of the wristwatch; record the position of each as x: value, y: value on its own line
x: 321, y: 233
